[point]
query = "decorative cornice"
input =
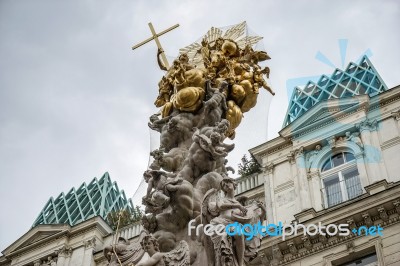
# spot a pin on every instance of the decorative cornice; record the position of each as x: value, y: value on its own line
x: 313, y: 246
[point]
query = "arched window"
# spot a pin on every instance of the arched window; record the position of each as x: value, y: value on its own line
x: 340, y: 179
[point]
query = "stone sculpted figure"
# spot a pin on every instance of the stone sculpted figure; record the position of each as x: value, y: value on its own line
x: 311, y: 156
x: 195, y: 117
x: 176, y: 257
x: 224, y: 249
x: 354, y: 137
x: 123, y: 252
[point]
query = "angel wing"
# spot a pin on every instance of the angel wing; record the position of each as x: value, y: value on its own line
x: 135, y: 250
x: 209, y: 206
x: 179, y: 256
x: 238, y: 33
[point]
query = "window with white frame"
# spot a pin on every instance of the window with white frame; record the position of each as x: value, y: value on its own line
x: 340, y: 179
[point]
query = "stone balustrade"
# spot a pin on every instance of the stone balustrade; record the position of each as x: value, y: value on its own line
x: 248, y: 182
x: 130, y: 231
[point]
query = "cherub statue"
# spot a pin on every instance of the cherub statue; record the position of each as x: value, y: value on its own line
x: 156, y: 123
x: 259, y: 80
x: 156, y: 180
x: 215, y: 106
x: 205, y: 152
x: 205, y: 52
x: 50, y: 262
x: 180, y: 256
x: 165, y: 90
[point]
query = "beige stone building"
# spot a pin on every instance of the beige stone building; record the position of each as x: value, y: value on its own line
x: 335, y: 161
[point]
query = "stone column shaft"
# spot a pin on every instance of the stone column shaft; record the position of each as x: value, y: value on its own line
x: 303, y: 181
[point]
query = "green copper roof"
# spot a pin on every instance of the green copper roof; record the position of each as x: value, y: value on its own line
x: 98, y: 198
x: 356, y: 79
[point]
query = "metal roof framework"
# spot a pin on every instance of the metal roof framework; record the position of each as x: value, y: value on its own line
x: 356, y: 79
x: 98, y: 198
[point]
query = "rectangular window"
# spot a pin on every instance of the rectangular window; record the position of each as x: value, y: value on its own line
x: 353, y: 184
x: 333, y: 190
x: 341, y: 186
x: 370, y: 260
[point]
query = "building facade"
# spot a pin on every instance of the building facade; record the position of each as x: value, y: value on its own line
x: 335, y: 162
x: 71, y: 230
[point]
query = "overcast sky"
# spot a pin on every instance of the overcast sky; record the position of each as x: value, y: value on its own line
x: 75, y: 99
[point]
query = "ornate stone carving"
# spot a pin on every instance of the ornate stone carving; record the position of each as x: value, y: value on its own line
x: 367, y: 124
x: 331, y: 142
x: 397, y: 206
x: 351, y: 223
x: 264, y: 258
x: 292, y: 247
x: 350, y: 246
x: 276, y: 252
x: 291, y: 157
x: 307, y: 242
x: 396, y: 115
x: 354, y: 137
x: 64, y: 251
x: 90, y: 243
x: 299, y: 152
x: 383, y: 214
x: 270, y: 168
x: 203, y: 96
x: 322, y: 239
x: 37, y: 262
x: 224, y: 248
x: 50, y: 262
x: 310, y: 156
x: 367, y: 219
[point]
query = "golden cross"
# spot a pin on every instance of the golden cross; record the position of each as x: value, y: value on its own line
x: 155, y: 38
